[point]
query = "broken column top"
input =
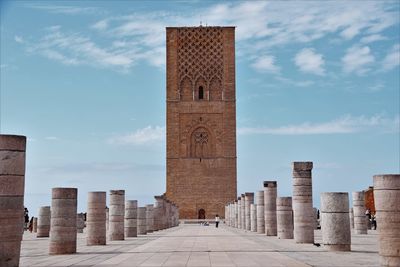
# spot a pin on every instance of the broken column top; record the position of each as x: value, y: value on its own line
x: 386, y: 181
x: 251, y: 194
x: 270, y: 184
x: 117, y: 192
x: 302, y: 165
x: 12, y: 142
x: 64, y: 193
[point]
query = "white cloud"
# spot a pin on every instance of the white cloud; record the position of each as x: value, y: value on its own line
x: 309, y: 61
x: 100, y: 25
x: 344, y: 125
x: 147, y: 135
x: 358, y: 60
x: 66, y: 10
x: 392, y: 58
x: 372, y: 38
x: 19, y: 39
x: 266, y: 63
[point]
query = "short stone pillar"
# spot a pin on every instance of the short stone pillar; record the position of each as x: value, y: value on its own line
x: 239, y: 210
x: 315, y: 213
x: 248, y: 200
x: 141, y: 221
x: 117, y: 214
x: 242, y: 213
x: 270, y: 194
x: 63, y: 221
x: 96, y: 219
x: 131, y: 218
x: 302, y: 202
x: 253, y: 218
x: 107, y: 219
x: 360, y: 221
x: 260, y: 212
x: 12, y: 180
x: 150, y: 218
x: 80, y: 223
x: 284, y: 217
x: 351, y: 215
x: 335, y: 221
x: 34, y: 225
x: 43, y: 224
x: 235, y: 215
x: 387, y: 199
x: 158, y: 213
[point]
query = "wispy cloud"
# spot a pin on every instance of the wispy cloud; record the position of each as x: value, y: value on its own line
x: 18, y: 39
x: 307, y: 60
x: 344, y: 125
x: 392, y: 59
x: 266, y: 63
x: 66, y: 10
x: 373, y: 38
x: 358, y: 59
x: 147, y: 135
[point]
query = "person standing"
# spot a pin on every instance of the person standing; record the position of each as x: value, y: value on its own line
x: 216, y: 220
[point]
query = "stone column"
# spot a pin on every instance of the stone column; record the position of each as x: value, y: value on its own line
x: 387, y: 199
x: 260, y: 212
x: 130, y: 218
x: 242, y: 214
x: 96, y: 219
x: 284, y: 217
x: 12, y: 180
x: 315, y: 213
x: 351, y: 214
x: 239, y: 209
x: 302, y: 202
x: 80, y: 223
x: 360, y: 221
x: 150, y: 218
x: 270, y: 194
x: 158, y: 213
x: 141, y: 221
x: 34, y: 225
x: 117, y: 214
x: 335, y: 221
x: 107, y: 219
x: 235, y: 211
x: 43, y: 224
x: 253, y: 218
x: 63, y: 221
x: 248, y: 200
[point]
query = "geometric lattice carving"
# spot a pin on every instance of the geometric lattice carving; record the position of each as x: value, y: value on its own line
x: 200, y: 58
x: 201, y: 145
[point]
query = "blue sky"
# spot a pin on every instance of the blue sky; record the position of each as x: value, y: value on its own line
x: 85, y: 82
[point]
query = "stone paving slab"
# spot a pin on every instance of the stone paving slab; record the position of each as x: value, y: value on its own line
x: 195, y: 245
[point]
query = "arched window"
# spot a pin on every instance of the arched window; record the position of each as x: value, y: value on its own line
x: 201, y: 92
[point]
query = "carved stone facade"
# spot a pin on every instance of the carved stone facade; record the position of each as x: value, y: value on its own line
x: 201, y: 120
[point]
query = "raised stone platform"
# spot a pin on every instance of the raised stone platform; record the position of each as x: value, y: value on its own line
x: 195, y: 245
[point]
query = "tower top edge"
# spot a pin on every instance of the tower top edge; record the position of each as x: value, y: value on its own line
x: 197, y: 27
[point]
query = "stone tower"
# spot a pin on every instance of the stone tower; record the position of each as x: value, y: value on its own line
x: 201, y: 120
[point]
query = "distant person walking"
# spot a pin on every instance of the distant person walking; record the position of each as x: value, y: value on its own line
x: 26, y: 218
x: 216, y: 220
x: 30, y: 227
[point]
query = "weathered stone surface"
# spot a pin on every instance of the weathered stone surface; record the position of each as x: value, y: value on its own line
x: 360, y: 220
x: 302, y: 202
x: 387, y: 199
x: 351, y: 215
x: 248, y: 200
x: 116, y: 215
x: 335, y: 221
x: 150, y: 218
x: 253, y: 217
x: 96, y: 219
x: 43, y: 227
x: 12, y: 177
x: 284, y: 216
x: 141, y: 221
x: 201, y: 133
x: 34, y: 225
x: 131, y: 207
x: 270, y: 194
x: 63, y: 221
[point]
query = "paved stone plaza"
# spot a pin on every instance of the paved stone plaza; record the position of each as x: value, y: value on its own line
x: 195, y: 245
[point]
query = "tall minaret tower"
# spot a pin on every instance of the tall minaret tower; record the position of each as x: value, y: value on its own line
x: 201, y: 120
